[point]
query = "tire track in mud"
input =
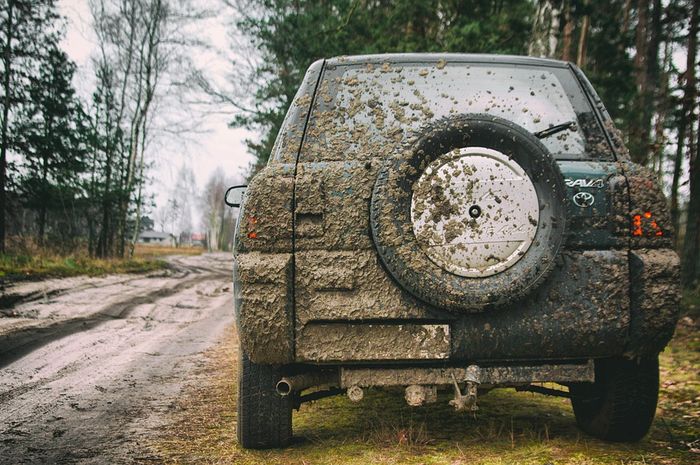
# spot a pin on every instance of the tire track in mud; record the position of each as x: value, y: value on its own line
x: 16, y: 345
x: 26, y: 387
x: 10, y: 297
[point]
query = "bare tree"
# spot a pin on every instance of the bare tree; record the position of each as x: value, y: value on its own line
x: 212, y: 206
x: 151, y: 63
x: 145, y: 43
x: 218, y: 220
x: 184, y: 193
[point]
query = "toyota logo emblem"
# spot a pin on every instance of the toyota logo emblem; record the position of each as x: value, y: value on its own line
x: 584, y: 199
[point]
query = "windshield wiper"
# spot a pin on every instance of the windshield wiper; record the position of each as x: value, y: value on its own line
x: 550, y: 131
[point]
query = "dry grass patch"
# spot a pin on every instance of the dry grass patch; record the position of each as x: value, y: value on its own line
x: 20, y: 266
x: 26, y: 260
x: 151, y: 251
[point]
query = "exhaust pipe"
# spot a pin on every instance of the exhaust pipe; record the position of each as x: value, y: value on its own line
x: 297, y: 383
x: 284, y: 387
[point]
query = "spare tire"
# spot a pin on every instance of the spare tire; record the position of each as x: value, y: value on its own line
x: 471, y: 215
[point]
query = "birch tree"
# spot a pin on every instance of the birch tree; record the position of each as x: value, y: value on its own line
x: 144, y: 43
x: 545, y: 29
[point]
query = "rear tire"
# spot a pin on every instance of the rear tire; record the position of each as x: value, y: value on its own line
x: 264, y: 417
x: 621, y: 404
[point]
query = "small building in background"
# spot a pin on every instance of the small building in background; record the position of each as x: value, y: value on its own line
x: 198, y: 239
x: 156, y: 238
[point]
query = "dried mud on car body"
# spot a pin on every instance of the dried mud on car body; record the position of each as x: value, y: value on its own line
x: 319, y: 210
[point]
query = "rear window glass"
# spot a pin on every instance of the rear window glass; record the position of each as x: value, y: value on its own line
x: 364, y: 111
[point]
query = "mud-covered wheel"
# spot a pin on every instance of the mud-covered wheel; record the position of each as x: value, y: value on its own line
x: 621, y: 403
x: 264, y: 417
x: 470, y: 216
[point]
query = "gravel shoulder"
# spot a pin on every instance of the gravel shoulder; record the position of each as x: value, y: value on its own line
x: 90, y: 368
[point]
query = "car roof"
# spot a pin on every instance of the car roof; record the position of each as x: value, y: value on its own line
x: 448, y: 57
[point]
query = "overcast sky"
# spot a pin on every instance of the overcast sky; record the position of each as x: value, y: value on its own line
x: 219, y: 146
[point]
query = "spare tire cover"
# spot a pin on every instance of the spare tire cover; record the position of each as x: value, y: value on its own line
x: 471, y: 215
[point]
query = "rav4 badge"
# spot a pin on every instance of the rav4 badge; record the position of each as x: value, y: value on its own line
x: 598, y: 183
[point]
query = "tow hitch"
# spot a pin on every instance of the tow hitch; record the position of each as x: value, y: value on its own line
x: 466, y: 401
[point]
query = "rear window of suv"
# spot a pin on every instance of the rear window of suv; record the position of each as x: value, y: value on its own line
x: 365, y: 111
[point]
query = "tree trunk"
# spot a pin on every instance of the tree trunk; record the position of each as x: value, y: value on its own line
x: 625, y: 26
x: 139, y: 200
x: 655, y: 88
x: 654, y: 45
x: 105, y: 240
x: 92, y: 191
x: 639, y: 130
x: 677, y: 169
x: 690, y: 269
x: 222, y: 229
x: 7, y: 66
x: 689, y: 97
x: 690, y: 266
x: 662, y: 107
x: 626, y: 17
x: 568, y: 32
x: 583, y: 39
x: 545, y: 29
x: 42, y: 203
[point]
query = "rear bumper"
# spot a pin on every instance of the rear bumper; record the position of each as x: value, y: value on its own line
x: 484, y: 376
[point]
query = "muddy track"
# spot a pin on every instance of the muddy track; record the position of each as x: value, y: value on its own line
x: 16, y: 345
x: 87, y: 372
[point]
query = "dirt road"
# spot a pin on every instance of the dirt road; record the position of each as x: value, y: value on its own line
x: 89, y: 367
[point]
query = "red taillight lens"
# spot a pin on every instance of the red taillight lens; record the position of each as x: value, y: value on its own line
x: 644, y: 225
x: 637, y: 225
x: 252, y: 221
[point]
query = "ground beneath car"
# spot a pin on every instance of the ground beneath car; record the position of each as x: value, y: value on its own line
x: 510, y: 428
x: 90, y: 368
x: 140, y: 369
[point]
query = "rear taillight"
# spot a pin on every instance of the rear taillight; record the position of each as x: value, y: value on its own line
x: 252, y: 221
x: 644, y: 225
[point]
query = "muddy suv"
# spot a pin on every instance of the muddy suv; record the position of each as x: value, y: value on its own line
x: 451, y: 223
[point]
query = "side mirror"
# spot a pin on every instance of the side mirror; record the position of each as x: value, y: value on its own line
x: 234, y: 196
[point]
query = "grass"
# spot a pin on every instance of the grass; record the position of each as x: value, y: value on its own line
x: 510, y: 428
x: 153, y: 251
x: 37, y: 263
